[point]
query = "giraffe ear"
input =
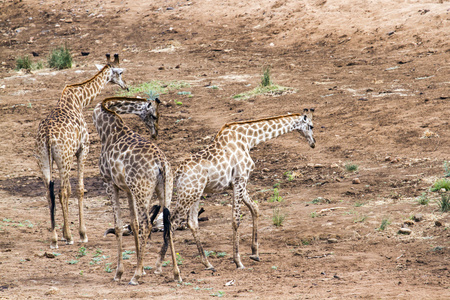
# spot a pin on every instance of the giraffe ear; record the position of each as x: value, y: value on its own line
x: 99, y: 67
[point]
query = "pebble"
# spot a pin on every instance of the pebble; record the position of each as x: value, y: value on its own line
x: 405, y: 231
x: 418, y: 217
x: 265, y: 170
x: 356, y: 181
x: 332, y: 241
x: 437, y: 223
x: 52, y: 291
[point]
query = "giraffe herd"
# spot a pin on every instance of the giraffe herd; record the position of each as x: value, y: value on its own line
x: 133, y: 164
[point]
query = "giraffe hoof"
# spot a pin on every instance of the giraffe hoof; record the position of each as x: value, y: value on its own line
x: 255, y: 257
x: 132, y: 282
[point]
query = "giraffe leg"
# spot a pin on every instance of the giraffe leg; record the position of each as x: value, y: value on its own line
x: 140, y: 238
x: 81, y: 159
x: 238, y: 190
x: 253, y: 207
x: 193, y: 225
x: 113, y: 193
x: 64, y: 194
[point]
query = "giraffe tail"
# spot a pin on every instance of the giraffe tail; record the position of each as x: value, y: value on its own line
x: 153, y: 212
x: 51, y: 188
x: 167, y: 224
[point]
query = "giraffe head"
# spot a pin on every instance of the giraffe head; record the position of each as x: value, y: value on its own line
x: 150, y: 116
x: 305, y: 126
x: 146, y: 109
x: 115, y: 73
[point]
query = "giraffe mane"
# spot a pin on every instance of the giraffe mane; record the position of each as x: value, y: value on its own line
x: 110, y: 99
x: 227, y: 125
x: 86, y: 81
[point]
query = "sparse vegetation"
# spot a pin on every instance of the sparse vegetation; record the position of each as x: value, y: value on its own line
x: 265, y: 79
x: 155, y: 86
x: 289, y: 175
x: 126, y: 254
x: 179, y: 259
x: 60, y: 58
x: 23, y: 62
x: 351, y: 167
x: 446, y: 169
x: 108, y: 268
x: 266, y: 86
x: 276, y: 196
x: 442, y: 183
x: 278, y: 217
x: 313, y: 214
x: 384, y: 224
x: 82, y: 252
x: 444, y: 202
x: 423, y: 199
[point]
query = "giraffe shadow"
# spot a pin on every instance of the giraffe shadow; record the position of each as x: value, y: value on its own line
x: 32, y: 186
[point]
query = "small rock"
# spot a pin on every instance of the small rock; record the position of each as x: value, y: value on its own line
x: 265, y: 170
x: 338, y: 179
x: 443, y: 190
x: 408, y: 222
x: 332, y: 241
x: 49, y: 255
x: 388, y: 158
x: 438, y: 223
x: 52, y: 291
x: 405, y: 231
x: 161, y: 68
x: 335, y: 165
x: 318, y: 166
x: 418, y: 218
x: 356, y: 181
x: 69, y: 20
x: 292, y: 67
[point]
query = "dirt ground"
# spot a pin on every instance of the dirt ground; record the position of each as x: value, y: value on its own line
x: 377, y: 74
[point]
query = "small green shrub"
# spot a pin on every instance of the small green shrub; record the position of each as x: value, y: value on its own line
x: 278, y: 217
x: 384, y: 224
x: 351, y: 167
x: 289, y: 175
x: 446, y: 169
x: 423, y: 199
x: 108, y: 268
x: 126, y: 254
x: 24, y: 62
x: 276, y: 196
x: 444, y: 202
x: 442, y: 183
x: 265, y: 79
x: 60, y: 58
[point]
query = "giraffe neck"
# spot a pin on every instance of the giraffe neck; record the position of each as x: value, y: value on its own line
x: 254, y: 132
x: 107, y: 121
x: 78, y: 96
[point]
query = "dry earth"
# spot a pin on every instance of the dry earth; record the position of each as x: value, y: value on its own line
x: 377, y: 73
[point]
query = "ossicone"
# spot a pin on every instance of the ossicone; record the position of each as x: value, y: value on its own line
x: 116, y: 59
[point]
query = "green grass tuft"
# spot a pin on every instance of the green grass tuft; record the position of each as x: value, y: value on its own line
x: 444, y: 202
x: 423, y: 199
x: 24, y: 63
x: 384, y: 224
x: 60, y: 58
x: 442, y: 183
x: 351, y: 167
x: 278, y: 217
x: 157, y: 87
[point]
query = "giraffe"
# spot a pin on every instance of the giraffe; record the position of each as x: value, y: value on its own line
x: 227, y: 164
x: 130, y: 163
x: 64, y: 134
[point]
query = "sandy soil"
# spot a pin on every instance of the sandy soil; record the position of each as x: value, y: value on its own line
x: 377, y: 74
